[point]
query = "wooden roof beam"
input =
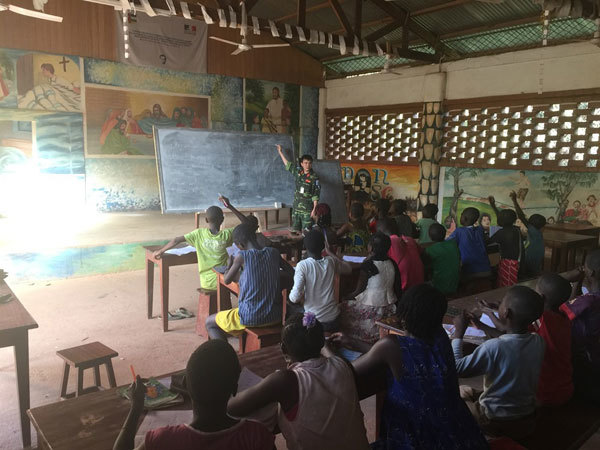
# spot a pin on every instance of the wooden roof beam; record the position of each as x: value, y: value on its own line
x: 358, y: 18
x: 301, y: 13
x: 383, y: 31
x: 339, y: 12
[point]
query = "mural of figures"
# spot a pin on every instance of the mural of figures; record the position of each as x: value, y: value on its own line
x: 273, y: 107
x: 371, y: 181
x: 120, y: 121
x: 8, y: 85
x: 558, y: 196
x: 49, y: 82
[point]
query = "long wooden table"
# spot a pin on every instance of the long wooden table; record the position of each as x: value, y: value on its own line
x: 166, y: 261
x: 93, y: 421
x: 564, y: 248
x: 15, y: 323
x: 575, y: 228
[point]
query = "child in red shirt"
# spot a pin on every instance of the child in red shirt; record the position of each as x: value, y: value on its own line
x: 556, y: 377
x: 405, y: 252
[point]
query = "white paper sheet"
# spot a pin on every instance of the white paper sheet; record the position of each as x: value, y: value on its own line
x: 181, y: 251
x: 355, y: 259
x: 485, y: 319
x: 471, y: 332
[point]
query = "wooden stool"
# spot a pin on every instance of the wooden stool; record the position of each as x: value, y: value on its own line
x: 83, y: 357
x: 207, y: 305
x: 256, y: 338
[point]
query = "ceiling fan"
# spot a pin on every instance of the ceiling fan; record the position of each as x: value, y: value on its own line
x: 30, y: 12
x: 244, y: 46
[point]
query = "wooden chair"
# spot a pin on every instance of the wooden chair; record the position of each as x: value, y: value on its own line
x: 255, y: 338
x: 207, y: 305
x: 87, y: 356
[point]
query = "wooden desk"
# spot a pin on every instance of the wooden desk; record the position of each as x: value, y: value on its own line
x: 564, y: 247
x: 15, y: 323
x: 93, y: 421
x: 575, y: 228
x: 166, y: 261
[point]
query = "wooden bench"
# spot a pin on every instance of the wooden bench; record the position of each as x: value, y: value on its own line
x: 255, y: 338
x: 207, y: 305
x: 87, y: 356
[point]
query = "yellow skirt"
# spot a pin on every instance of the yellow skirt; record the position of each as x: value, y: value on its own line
x: 229, y: 321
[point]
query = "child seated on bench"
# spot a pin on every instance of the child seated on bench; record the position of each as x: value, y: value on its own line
x: 378, y: 289
x: 317, y: 397
x: 356, y: 231
x: 212, y: 375
x: 584, y: 314
x: 429, y: 212
x: 474, y: 258
x: 314, y: 277
x: 510, y: 365
x: 259, y: 303
x: 422, y: 408
x: 442, y: 260
x: 556, y: 377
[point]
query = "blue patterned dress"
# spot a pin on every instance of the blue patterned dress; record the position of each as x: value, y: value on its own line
x: 423, y: 409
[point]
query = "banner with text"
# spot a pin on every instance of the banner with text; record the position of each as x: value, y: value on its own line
x: 167, y: 42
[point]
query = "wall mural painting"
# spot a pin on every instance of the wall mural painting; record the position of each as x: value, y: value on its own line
x: 372, y: 181
x: 273, y: 108
x: 558, y: 196
x: 49, y: 82
x: 119, y: 121
x: 8, y: 79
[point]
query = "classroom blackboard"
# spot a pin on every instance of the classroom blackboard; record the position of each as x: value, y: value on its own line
x: 194, y: 166
x: 332, y: 188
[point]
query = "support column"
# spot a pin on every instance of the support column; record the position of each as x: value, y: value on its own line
x: 430, y: 153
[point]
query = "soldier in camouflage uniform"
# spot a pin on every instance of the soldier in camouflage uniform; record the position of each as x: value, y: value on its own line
x: 308, y: 190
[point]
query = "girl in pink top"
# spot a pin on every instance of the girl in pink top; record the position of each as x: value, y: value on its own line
x: 406, y: 253
x: 318, y: 402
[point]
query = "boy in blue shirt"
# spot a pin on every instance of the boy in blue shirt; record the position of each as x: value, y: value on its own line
x: 471, y: 244
x: 510, y: 364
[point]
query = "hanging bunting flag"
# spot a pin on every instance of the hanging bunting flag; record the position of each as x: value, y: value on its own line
x: 342, y: 45
x: 185, y: 10
x: 207, y: 18
x: 255, y: 25
x: 274, y: 30
x: 365, y: 48
x: 171, y: 7
x: 243, y: 20
x: 329, y: 40
x: 314, y: 37
x: 321, y: 37
x: 301, y: 34
x: 232, y: 18
x: 355, y: 48
x: 379, y: 49
x: 288, y: 31
x: 222, y: 19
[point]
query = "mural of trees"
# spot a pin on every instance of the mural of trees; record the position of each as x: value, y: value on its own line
x: 458, y: 173
x: 559, y: 185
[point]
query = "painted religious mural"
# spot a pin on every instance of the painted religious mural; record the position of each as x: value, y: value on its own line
x: 558, y: 196
x: 273, y: 108
x: 8, y: 79
x: 48, y: 82
x: 371, y: 181
x: 119, y: 122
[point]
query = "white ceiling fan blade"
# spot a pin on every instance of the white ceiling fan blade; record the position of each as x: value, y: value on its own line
x: 238, y: 51
x: 269, y: 45
x: 224, y: 40
x: 36, y: 14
